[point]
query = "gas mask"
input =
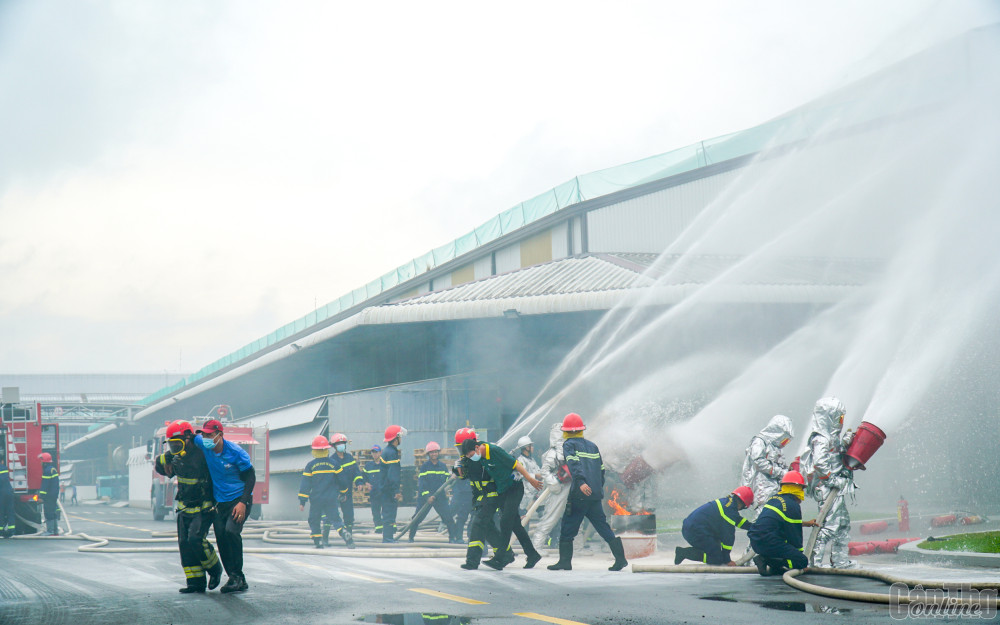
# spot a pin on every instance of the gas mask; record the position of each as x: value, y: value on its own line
x: 176, y: 446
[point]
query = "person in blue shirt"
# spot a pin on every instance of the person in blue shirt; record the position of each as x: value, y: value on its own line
x: 586, y: 496
x: 391, y: 477
x: 233, y: 479
x: 776, y: 535
x: 6, y: 503
x: 431, y: 475
x: 373, y: 475
x: 711, y: 529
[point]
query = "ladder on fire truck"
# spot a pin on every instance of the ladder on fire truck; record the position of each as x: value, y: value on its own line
x: 17, y: 449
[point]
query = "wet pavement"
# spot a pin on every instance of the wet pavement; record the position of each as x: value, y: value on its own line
x: 51, y: 582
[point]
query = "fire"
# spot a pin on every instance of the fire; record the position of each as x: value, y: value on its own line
x: 619, y: 508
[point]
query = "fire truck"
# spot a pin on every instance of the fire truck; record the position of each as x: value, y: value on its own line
x: 23, y: 437
x: 254, y: 440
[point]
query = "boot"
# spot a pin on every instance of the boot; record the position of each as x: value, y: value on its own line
x: 235, y: 583
x: 193, y: 586
x: 500, y: 560
x: 533, y: 556
x: 348, y: 539
x: 472, y: 557
x: 326, y: 535
x: 214, y: 576
x: 53, y: 526
x: 565, y: 562
x: 686, y: 553
x: 761, y: 566
x: 618, y: 551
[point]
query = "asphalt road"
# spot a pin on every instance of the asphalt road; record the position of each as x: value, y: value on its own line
x: 50, y: 582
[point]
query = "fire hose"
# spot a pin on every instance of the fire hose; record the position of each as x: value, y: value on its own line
x: 426, y: 505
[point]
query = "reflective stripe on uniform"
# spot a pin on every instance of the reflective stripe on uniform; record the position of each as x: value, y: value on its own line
x: 477, y: 543
x: 782, y: 514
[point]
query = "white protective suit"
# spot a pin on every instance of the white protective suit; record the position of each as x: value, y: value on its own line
x: 824, y: 469
x: 529, y: 464
x: 555, y: 502
x: 764, y: 465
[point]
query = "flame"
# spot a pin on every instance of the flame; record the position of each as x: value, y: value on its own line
x: 619, y: 508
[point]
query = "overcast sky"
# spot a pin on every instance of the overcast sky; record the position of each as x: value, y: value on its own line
x: 178, y: 179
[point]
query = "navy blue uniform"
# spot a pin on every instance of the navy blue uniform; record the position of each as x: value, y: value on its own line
x: 430, y: 477
x: 776, y: 535
x: 373, y: 475
x: 390, y: 488
x: 6, y: 503
x: 348, y: 476
x: 711, y: 529
x: 461, y: 504
x: 587, y: 467
x: 319, y: 488
x: 49, y: 493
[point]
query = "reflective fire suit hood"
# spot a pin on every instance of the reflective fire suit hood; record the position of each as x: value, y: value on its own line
x: 764, y: 465
x: 826, y: 417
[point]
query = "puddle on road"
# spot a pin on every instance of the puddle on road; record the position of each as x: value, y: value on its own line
x: 416, y: 618
x: 788, y: 606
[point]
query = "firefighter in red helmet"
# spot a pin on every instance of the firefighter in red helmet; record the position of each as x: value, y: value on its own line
x: 711, y: 529
x: 391, y: 477
x: 195, y: 506
x: 776, y: 535
x: 50, y: 493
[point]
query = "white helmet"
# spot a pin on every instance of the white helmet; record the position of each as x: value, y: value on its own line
x: 524, y: 441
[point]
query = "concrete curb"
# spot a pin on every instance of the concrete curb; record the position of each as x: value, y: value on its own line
x: 910, y: 552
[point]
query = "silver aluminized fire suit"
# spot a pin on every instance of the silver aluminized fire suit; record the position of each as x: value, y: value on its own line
x: 530, y: 493
x: 823, y: 465
x: 555, y: 502
x: 764, y: 465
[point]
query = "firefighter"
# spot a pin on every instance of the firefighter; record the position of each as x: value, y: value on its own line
x: 319, y: 488
x: 764, y: 464
x: 430, y: 477
x: 823, y: 462
x: 348, y: 476
x: 711, y: 529
x: 391, y: 476
x: 501, y: 468
x: 481, y: 489
x: 523, y: 452
x: 461, y: 505
x: 373, y: 475
x: 776, y: 535
x: 555, y: 475
x: 49, y: 493
x: 585, y: 496
x: 195, y: 506
x: 6, y: 503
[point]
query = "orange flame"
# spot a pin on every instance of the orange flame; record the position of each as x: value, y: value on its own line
x: 619, y: 508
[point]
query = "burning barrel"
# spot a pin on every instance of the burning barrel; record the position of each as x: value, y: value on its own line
x: 637, y: 530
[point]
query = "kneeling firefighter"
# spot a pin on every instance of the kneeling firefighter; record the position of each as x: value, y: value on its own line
x: 711, y: 529
x: 195, y: 506
x: 776, y: 535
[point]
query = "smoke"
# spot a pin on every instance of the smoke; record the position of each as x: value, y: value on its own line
x: 855, y: 258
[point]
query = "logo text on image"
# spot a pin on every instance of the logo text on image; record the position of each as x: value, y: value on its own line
x: 959, y: 601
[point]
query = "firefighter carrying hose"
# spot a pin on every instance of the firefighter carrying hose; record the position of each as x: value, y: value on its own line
x: 50, y: 493
x: 432, y: 475
x: 711, y: 529
x: 320, y: 489
x: 776, y: 535
x: 195, y: 506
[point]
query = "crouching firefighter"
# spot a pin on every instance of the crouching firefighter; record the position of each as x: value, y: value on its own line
x: 320, y: 489
x: 195, y: 506
x: 776, y: 535
x: 711, y: 529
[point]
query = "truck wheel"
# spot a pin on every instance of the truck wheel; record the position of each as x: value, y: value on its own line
x: 26, y: 513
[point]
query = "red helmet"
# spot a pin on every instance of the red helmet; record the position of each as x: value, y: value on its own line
x: 463, y: 433
x: 178, y: 428
x: 393, y: 431
x: 573, y: 423
x: 745, y: 494
x: 338, y: 438
x: 432, y: 446
x: 320, y: 442
x: 793, y: 477
x: 45, y: 456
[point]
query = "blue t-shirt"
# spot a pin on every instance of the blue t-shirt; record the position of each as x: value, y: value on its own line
x: 225, y: 469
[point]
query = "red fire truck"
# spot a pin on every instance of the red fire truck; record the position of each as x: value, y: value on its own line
x: 255, y: 440
x: 23, y: 437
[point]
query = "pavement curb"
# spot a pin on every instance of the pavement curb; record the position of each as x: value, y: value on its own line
x: 910, y: 552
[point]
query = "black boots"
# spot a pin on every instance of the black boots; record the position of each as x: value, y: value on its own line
x: 565, y: 562
x: 472, y: 557
x: 326, y: 535
x: 236, y: 583
x: 346, y: 535
x: 618, y: 551
x: 533, y: 557
x: 214, y: 576
x: 687, y: 553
